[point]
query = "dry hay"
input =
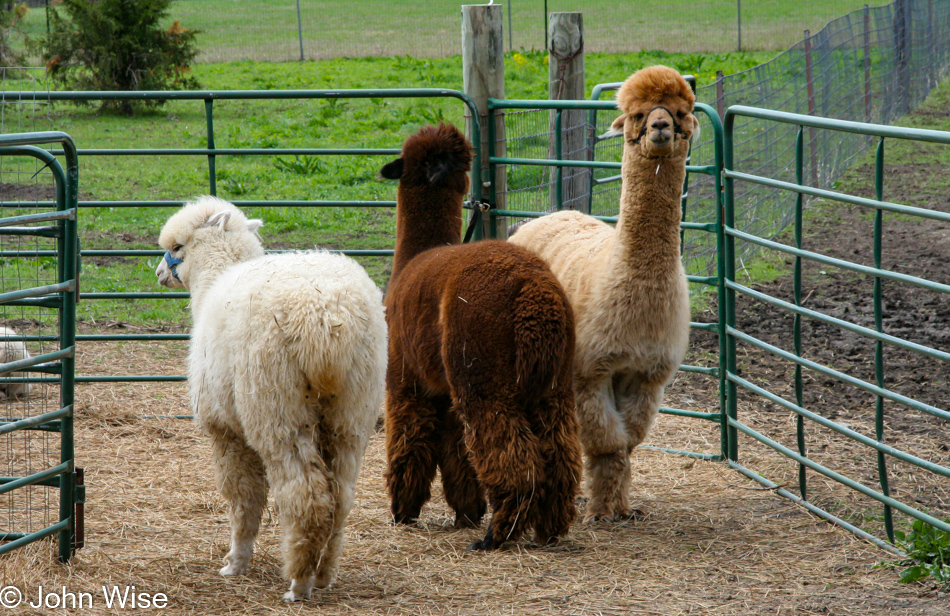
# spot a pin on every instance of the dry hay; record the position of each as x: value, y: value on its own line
x: 712, y: 542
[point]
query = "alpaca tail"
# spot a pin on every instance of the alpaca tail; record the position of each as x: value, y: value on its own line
x: 544, y: 333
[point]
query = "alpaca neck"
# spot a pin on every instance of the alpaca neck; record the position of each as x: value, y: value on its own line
x: 210, y: 262
x: 648, y: 228
x: 425, y: 218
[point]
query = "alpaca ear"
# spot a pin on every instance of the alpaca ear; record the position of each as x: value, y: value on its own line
x: 393, y: 170
x: 219, y: 220
x: 694, y: 138
x: 254, y: 224
x: 616, y: 128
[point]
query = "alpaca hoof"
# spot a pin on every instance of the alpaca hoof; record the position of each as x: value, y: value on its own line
x: 406, y: 520
x: 299, y: 591
x: 323, y: 581
x: 233, y: 569
x: 619, y: 516
x: 484, y: 545
x: 548, y: 542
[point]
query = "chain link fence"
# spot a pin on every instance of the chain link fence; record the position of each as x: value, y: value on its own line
x: 871, y: 65
x: 288, y: 30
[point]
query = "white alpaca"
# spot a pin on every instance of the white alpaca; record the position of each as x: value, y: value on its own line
x: 626, y: 284
x: 10, y: 351
x: 286, y: 374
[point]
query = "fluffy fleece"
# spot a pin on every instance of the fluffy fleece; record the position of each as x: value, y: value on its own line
x: 479, y: 377
x: 626, y: 284
x: 12, y: 350
x: 286, y: 374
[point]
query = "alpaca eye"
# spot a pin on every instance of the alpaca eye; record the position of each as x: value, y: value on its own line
x: 638, y: 117
x: 680, y: 115
x: 177, y: 247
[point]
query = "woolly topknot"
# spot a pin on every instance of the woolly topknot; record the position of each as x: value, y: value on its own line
x: 653, y: 84
x: 434, y: 156
x: 194, y: 215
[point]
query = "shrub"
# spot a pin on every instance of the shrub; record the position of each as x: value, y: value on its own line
x: 119, y: 45
x: 11, y: 23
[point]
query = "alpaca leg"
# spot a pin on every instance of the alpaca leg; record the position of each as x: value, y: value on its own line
x: 344, y: 458
x: 326, y: 571
x: 638, y: 403
x: 239, y: 475
x: 412, y: 449
x: 509, y: 464
x: 306, y: 495
x: 463, y: 492
x: 604, y: 437
x: 556, y: 428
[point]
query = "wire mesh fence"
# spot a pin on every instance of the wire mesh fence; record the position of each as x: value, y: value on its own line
x: 871, y: 65
x: 288, y: 30
x: 27, y: 331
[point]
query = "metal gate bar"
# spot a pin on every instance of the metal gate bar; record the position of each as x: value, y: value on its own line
x: 211, y: 152
x: 61, y: 296
x: 559, y: 106
x: 878, y: 389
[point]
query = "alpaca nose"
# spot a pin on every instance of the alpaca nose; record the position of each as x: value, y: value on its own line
x: 660, y: 123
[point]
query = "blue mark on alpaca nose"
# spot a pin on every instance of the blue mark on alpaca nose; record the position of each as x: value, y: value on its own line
x: 172, y: 262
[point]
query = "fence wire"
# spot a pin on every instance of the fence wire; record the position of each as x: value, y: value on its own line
x: 288, y: 30
x: 23, y: 182
x: 871, y: 65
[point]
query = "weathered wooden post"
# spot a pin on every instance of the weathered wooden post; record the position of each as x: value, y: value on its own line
x: 483, y: 76
x: 566, y: 82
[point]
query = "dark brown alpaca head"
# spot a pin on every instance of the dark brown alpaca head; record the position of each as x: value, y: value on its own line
x: 436, y: 157
x: 433, y: 180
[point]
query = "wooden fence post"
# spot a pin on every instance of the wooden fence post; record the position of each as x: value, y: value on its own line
x: 867, y: 64
x: 720, y: 96
x: 811, y: 108
x: 483, y: 76
x: 566, y: 82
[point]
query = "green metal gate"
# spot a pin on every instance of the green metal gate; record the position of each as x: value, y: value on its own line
x: 714, y: 227
x: 209, y: 155
x: 38, y: 491
x: 499, y: 165
x: 863, y: 437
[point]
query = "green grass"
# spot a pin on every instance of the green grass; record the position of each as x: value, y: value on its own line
x: 266, y: 30
x: 262, y: 124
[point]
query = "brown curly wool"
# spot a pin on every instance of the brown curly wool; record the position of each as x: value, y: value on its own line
x: 479, y: 379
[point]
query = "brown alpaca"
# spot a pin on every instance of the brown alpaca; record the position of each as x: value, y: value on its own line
x: 480, y: 348
x: 627, y: 285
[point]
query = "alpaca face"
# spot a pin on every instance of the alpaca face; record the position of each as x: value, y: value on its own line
x: 658, y: 130
x: 190, y: 233
x: 435, y: 157
x: 657, y: 106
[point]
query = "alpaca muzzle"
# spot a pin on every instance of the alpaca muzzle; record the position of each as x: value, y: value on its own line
x: 661, y: 127
x: 168, y: 265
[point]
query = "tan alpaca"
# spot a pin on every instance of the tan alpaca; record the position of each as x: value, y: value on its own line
x: 627, y: 285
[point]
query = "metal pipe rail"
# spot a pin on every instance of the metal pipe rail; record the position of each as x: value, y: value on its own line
x: 210, y: 152
x: 60, y: 296
x: 733, y: 335
x: 558, y: 106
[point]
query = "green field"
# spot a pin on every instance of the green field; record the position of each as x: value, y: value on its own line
x: 266, y: 30
x: 266, y: 124
x: 236, y: 29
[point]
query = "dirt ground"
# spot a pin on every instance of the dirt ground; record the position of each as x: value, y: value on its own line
x: 712, y: 542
